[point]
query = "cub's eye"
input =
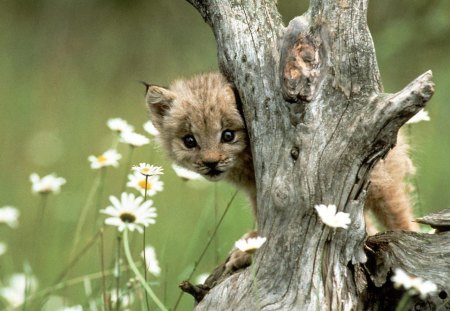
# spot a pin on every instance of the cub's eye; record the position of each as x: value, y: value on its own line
x: 227, y: 136
x: 189, y: 141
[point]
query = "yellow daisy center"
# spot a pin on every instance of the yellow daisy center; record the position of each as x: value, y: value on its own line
x: 141, y: 184
x: 101, y: 159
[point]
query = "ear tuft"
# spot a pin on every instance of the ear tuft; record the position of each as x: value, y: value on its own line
x: 159, y: 100
x: 147, y: 85
x: 157, y: 94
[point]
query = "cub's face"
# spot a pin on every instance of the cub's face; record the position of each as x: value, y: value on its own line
x: 200, y: 125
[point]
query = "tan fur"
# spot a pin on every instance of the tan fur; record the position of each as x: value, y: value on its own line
x: 388, y: 196
x: 205, y: 106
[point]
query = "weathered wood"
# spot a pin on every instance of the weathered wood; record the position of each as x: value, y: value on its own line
x: 439, y: 221
x: 316, y: 148
x: 422, y: 255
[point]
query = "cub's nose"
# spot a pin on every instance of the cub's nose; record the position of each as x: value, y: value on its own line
x: 210, y: 164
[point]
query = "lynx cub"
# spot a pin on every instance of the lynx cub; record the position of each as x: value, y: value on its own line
x: 202, y: 129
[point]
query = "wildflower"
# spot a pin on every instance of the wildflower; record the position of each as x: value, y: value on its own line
x: 132, y: 282
x: 46, y: 184
x: 19, y: 287
x: 422, y: 115
x: 117, y: 267
x: 250, y: 245
x: 141, y: 183
x: 152, y: 263
x: 130, y: 212
x: 147, y: 169
x: 119, y: 125
x: 133, y: 139
x: 424, y: 288
x: 108, y: 158
x: 186, y: 174
x: 9, y: 215
x: 328, y: 215
x: 125, y: 299
x: 150, y: 128
x: 401, y: 278
x: 414, y: 285
x: 3, y: 248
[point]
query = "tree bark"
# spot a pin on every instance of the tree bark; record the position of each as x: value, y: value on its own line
x: 318, y: 122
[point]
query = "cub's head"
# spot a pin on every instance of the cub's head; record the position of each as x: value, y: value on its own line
x: 199, y: 123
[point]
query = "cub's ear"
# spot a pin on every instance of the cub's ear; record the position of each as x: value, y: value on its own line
x: 159, y: 100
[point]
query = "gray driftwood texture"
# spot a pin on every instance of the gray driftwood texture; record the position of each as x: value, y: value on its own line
x: 318, y: 121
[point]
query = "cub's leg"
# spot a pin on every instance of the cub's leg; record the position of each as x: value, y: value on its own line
x: 388, y: 194
x: 238, y: 259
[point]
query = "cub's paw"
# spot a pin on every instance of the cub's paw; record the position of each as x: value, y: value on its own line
x: 237, y: 260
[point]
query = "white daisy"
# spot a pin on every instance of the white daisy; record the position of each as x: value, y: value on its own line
x: 19, y: 287
x: 150, y: 128
x: 424, y: 288
x: 119, y: 125
x: 328, y: 215
x: 9, y: 215
x: 147, y: 169
x: 422, y: 115
x: 250, y: 245
x: 134, y: 139
x: 46, y: 184
x: 186, y: 174
x: 141, y: 182
x: 401, y: 279
x: 414, y: 285
x: 3, y: 248
x: 108, y: 158
x: 151, y: 261
x: 130, y: 212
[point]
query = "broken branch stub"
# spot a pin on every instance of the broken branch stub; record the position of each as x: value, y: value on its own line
x: 439, y: 220
x: 299, y: 61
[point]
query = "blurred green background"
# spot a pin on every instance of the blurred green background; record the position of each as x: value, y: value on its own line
x: 68, y: 66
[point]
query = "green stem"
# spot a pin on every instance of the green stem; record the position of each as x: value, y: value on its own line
x: 84, y: 212
x: 143, y: 247
x: 102, y: 268
x: 115, y: 141
x: 211, y: 238
x: 118, y: 273
x: 138, y: 274
x: 99, y: 191
x: 42, y: 207
x: 127, y: 168
x: 216, y: 214
x: 39, y: 224
x: 403, y: 303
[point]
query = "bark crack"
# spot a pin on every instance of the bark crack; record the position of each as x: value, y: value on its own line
x: 253, y: 39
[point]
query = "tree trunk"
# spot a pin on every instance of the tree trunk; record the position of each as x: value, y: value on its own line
x: 318, y: 123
